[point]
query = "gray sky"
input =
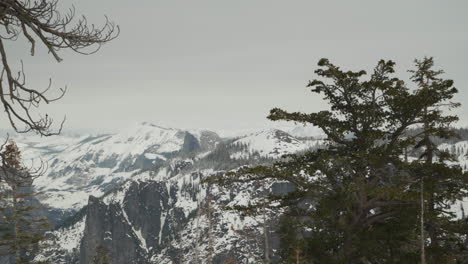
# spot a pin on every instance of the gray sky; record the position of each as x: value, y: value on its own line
x: 224, y: 64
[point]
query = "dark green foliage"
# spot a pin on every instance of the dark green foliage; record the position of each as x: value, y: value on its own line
x: 362, y: 194
x: 21, y: 228
x: 220, y: 158
x: 102, y: 256
x: 70, y: 221
x: 440, y: 185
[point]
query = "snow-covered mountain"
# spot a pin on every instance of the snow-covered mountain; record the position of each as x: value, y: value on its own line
x: 169, y: 217
x: 138, y: 193
x: 80, y: 166
x: 147, y: 176
x: 273, y: 143
x: 299, y: 131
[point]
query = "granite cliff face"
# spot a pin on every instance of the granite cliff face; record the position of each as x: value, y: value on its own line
x: 173, y: 222
x: 107, y: 227
x: 140, y: 226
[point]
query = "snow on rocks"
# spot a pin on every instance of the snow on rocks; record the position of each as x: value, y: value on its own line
x: 272, y: 143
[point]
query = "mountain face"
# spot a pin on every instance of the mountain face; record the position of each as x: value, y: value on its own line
x: 133, y: 228
x: 137, y: 197
x: 174, y: 220
x: 145, y: 195
x: 93, y: 165
x: 273, y: 143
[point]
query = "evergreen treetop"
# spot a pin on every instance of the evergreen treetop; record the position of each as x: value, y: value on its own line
x: 362, y: 195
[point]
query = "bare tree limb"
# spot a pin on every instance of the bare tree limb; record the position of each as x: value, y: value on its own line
x: 41, y: 22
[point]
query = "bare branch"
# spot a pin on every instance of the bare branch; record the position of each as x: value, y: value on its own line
x: 41, y: 22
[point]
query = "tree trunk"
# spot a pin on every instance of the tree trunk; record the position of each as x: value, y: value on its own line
x: 423, y: 253
x: 431, y: 204
x: 210, y: 230
x: 15, y: 226
x: 267, y: 242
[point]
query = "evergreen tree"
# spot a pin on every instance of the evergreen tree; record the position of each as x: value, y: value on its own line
x: 361, y: 192
x: 102, y: 256
x: 440, y: 184
x: 20, y: 227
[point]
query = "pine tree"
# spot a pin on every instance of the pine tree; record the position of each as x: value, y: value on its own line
x: 102, y: 256
x: 363, y: 191
x: 438, y: 93
x: 20, y: 227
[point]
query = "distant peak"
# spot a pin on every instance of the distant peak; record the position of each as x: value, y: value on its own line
x: 272, y: 131
x: 269, y: 133
x: 160, y: 126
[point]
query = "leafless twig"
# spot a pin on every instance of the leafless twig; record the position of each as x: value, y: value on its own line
x: 40, y: 21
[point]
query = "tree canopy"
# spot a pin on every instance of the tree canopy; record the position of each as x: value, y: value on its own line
x: 356, y: 200
x: 21, y: 226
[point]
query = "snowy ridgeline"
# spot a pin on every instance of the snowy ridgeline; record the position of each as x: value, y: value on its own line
x: 92, y: 165
x: 147, y: 195
x: 107, y: 166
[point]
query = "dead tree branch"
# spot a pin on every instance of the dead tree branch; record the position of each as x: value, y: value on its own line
x: 40, y: 21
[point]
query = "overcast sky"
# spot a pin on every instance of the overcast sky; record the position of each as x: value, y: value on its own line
x: 225, y: 64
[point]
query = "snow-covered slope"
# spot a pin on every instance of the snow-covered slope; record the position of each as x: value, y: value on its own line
x: 299, y: 131
x: 78, y: 167
x: 165, y: 218
x: 307, y: 131
x: 273, y: 143
x: 92, y: 165
x: 178, y: 205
